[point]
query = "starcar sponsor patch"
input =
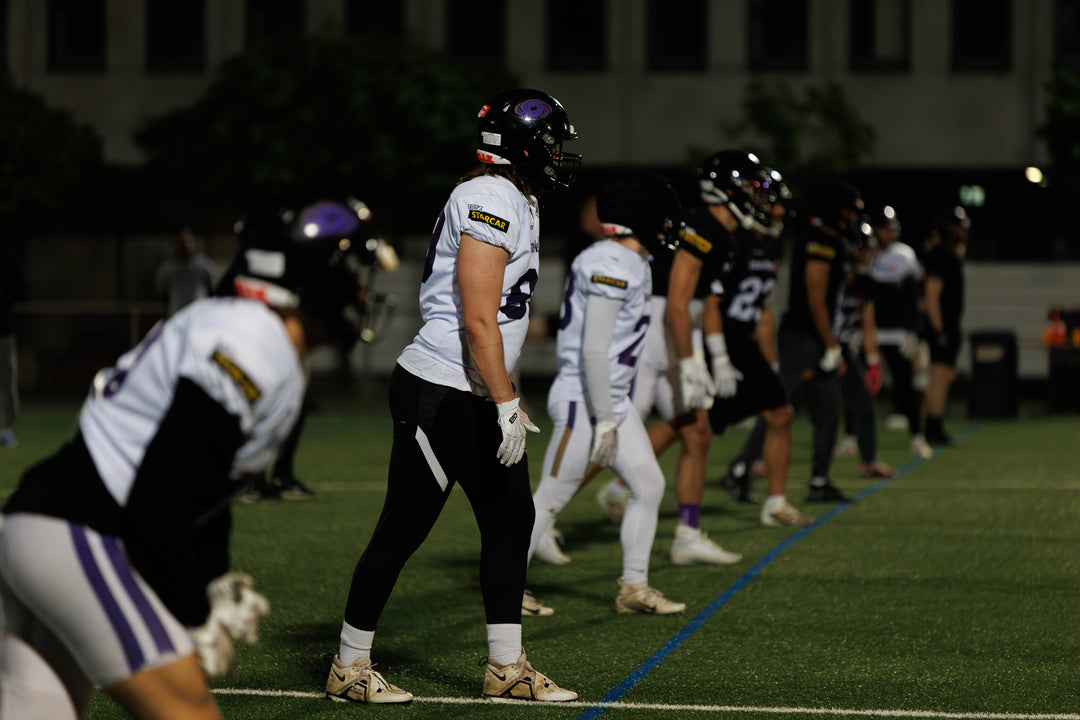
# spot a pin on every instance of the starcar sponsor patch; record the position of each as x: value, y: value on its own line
x: 250, y: 389
x: 493, y: 220
x: 613, y: 282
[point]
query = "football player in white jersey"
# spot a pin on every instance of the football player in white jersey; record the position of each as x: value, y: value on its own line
x: 455, y: 412
x: 601, y: 331
x: 114, y: 550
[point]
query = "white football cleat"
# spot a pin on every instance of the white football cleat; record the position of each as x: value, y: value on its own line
x: 520, y: 681
x: 640, y: 598
x: 896, y: 423
x: 783, y: 514
x: 920, y: 448
x: 530, y: 606
x: 848, y: 447
x: 547, y: 549
x: 358, y: 683
x: 692, y: 546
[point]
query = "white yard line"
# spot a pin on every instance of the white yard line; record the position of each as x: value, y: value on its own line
x: 662, y: 707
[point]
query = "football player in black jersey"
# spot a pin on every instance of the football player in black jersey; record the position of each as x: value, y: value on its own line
x: 810, y: 355
x: 944, y: 308
x: 738, y: 321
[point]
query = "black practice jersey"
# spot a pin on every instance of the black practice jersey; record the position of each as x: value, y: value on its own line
x: 705, y: 238
x: 745, y: 286
x: 944, y: 263
x: 813, y: 244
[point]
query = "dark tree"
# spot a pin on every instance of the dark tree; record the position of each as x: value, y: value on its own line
x: 392, y: 121
x: 48, y: 161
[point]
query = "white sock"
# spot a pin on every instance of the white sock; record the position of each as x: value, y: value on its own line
x: 504, y: 642
x: 773, y: 503
x: 355, y: 644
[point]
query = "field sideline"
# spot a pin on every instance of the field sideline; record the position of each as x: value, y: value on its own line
x: 950, y: 592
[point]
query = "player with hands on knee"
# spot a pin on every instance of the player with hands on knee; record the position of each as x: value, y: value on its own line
x: 115, y: 550
x: 602, y: 329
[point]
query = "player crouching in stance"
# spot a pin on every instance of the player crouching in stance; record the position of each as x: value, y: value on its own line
x: 456, y: 415
x: 604, y: 321
x: 114, y: 550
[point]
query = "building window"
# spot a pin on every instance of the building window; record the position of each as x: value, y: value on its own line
x: 476, y: 30
x: 982, y: 36
x: 76, y: 40
x: 175, y: 35
x: 273, y: 22
x: 881, y: 35
x: 375, y: 17
x: 779, y: 35
x: 676, y: 35
x: 1067, y: 34
x: 576, y: 35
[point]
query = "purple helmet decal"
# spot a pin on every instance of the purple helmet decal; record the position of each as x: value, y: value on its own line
x: 327, y: 218
x: 533, y: 109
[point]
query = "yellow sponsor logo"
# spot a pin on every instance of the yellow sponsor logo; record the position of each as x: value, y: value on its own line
x: 250, y: 389
x: 613, y: 282
x: 493, y: 220
x: 822, y: 251
x: 696, y: 240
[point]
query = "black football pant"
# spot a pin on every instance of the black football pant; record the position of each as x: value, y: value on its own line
x: 860, y: 409
x: 444, y: 436
x: 807, y: 386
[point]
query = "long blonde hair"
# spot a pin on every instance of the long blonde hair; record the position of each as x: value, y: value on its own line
x: 509, y: 172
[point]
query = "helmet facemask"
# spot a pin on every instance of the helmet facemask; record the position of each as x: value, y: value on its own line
x: 737, y: 181
x: 301, y: 252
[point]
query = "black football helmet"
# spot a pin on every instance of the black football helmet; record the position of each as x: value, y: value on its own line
x: 526, y: 129
x: 305, y: 249
x: 640, y: 203
x: 780, y: 202
x: 840, y: 206
x: 953, y: 223
x: 885, y: 216
x: 737, y: 180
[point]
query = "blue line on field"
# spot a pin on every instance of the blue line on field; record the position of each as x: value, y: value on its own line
x: 671, y: 645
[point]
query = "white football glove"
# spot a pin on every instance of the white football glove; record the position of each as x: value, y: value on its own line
x: 696, y: 385
x: 214, y: 648
x: 514, y: 424
x: 236, y: 606
x: 831, y: 359
x: 605, y: 443
x: 726, y: 376
x: 909, y: 345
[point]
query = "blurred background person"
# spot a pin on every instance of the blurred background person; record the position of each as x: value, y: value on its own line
x: 943, y: 304
x: 856, y: 330
x: 12, y: 290
x: 898, y: 275
x: 188, y: 275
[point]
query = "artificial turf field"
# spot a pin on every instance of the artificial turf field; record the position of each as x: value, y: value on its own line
x: 952, y: 591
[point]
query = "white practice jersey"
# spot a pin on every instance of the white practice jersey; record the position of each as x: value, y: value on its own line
x: 236, y: 350
x: 492, y: 210
x: 610, y: 270
x: 895, y: 263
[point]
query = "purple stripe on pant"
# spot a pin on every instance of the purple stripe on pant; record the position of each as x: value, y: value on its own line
x: 120, y: 625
